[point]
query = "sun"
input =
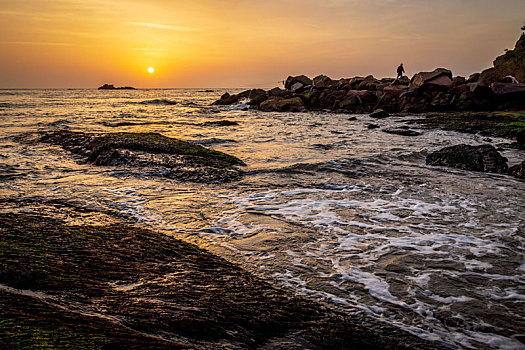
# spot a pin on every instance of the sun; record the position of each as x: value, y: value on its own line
x: 151, y: 70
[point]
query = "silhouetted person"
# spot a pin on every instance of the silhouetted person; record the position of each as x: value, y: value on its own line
x: 400, y: 71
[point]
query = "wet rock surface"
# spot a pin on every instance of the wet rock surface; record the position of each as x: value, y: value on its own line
x: 122, y: 287
x: 474, y: 158
x: 162, y: 155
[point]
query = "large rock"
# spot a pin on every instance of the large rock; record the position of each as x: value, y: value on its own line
x: 506, y: 89
x: 303, y: 79
x: 296, y: 87
x: 404, y: 80
x: 322, y: 81
x: 474, y: 158
x: 149, y: 152
x: 280, y: 93
x: 279, y: 104
x: 473, y: 78
x: 511, y: 63
x: 379, y: 114
x: 369, y: 83
x: 440, y: 77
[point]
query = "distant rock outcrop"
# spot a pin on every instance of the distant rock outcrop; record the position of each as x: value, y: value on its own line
x: 112, y: 87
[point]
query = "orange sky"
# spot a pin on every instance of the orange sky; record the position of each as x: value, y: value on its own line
x: 244, y: 43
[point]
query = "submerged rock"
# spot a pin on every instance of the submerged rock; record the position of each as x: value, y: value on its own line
x: 475, y: 158
x: 164, y: 156
x: 220, y: 123
x: 402, y: 132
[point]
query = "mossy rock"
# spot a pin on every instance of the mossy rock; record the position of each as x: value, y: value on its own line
x: 185, y: 161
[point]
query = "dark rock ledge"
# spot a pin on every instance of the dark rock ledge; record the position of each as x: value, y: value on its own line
x: 120, y: 287
x: 151, y: 152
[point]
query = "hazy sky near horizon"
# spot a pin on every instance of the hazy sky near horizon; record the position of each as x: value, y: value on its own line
x: 245, y: 43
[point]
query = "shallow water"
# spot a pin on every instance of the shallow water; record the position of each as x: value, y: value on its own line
x: 329, y: 208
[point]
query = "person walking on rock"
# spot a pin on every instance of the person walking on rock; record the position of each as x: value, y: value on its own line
x: 400, y: 71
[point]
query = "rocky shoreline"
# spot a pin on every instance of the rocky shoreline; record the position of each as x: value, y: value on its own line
x: 501, y: 87
x: 117, y: 286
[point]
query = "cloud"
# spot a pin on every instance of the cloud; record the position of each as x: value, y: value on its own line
x: 162, y: 26
x: 39, y: 43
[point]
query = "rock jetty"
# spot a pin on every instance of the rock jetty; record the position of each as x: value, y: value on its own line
x: 501, y: 87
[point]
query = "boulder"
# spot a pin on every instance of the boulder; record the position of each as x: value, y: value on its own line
x: 439, y: 77
x: 518, y: 170
x: 355, y: 81
x: 303, y: 79
x: 508, y: 88
x: 460, y: 89
x: 279, y: 104
x: 379, y: 114
x: 509, y: 79
x: 257, y: 96
x: 404, y: 80
x: 280, y: 93
x: 489, y: 76
x: 458, y: 81
x: 474, y: 158
x: 473, y: 78
x: 226, y: 99
x: 368, y: 83
x: 296, y: 86
x: 322, y: 81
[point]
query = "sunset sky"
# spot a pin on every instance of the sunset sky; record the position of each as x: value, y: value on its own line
x: 245, y: 43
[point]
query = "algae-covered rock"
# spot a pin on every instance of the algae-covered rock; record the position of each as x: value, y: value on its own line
x: 122, y: 287
x: 165, y: 156
x: 474, y: 158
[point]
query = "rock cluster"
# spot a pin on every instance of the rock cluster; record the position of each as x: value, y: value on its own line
x: 499, y: 88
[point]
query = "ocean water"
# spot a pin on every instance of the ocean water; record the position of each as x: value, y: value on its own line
x: 329, y: 209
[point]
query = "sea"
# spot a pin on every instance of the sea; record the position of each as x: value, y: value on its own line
x: 328, y: 208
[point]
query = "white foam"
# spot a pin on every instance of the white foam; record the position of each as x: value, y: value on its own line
x: 362, y: 229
